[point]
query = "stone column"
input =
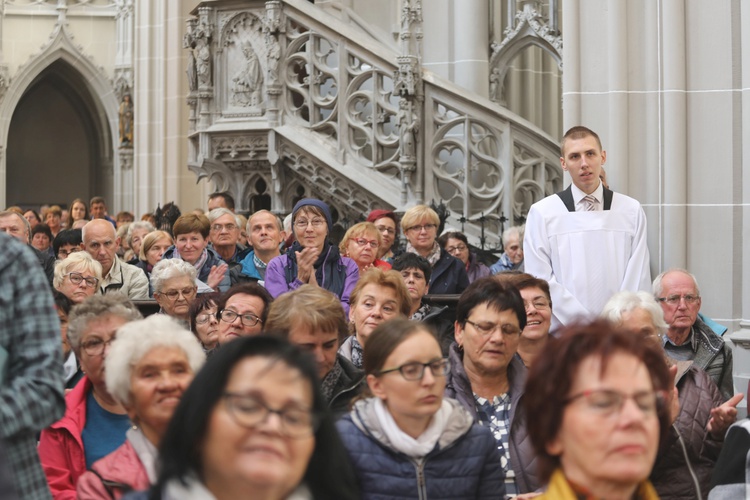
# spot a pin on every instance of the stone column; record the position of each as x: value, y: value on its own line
x: 471, y: 40
x: 674, y: 134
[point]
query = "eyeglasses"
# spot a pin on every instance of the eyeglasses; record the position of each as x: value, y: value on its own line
x: 218, y: 227
x: 203, y: 318
x: 415, y: 370
x: 385, y: 229
x: 423, y: 227
x: 248, y: 319
x: 63, y: 254
x: 490, y: 328
x: 457, y: 248
x: 249, y: 412
x: 361, y: 242
x: 303, y: 223
x: 608, y: 402
x: 185, y: 292
x: 539, y: 304
x: 78, y: 278
x: 95, y: 347
x: 673, y: 300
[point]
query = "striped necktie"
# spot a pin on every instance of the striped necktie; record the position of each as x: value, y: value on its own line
x: 590, y: 202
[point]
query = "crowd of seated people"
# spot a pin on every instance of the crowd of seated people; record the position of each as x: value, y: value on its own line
x: 316, y: 368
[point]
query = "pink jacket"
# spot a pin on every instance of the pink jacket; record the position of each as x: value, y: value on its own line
x: 61, y: 447
x: 121, y: 470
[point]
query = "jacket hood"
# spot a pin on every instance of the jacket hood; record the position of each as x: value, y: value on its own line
x: 364, y: 417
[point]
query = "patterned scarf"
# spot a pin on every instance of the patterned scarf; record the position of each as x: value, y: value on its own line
x: 432, y: 257
x: 329, y: 382
x: 198, y: 264
x: 357, y: 352
x: 423, y: 311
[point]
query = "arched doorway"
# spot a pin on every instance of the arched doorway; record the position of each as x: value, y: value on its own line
x: 58, y: 145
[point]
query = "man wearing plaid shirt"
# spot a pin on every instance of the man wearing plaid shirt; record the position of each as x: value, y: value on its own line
x: 31, y: 372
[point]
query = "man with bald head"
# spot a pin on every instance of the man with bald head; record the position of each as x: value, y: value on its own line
x: 17, y: 226
x: 688, y: 337
x: 101, y: 242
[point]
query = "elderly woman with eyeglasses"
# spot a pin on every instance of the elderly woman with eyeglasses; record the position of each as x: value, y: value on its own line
x: 361, y: 243
x: 487, y: 377
x: 312, y: 258
x: 420, y: 225
x: 173, y: 281
x: 95, y: 423
x: 386, y: 222
x: 597, y: 394
x: 242, y: 311
x: 149, y: 366
x: 457, y: 245
x: 253, y: 424
x: 77, y: 276
x: 204, y: 322
x: 406, y: 440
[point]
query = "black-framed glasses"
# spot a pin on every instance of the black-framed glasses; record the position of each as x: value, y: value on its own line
x: 490, y: 328
x: 673, y: 300
x: 422, y: 227
x: 415, y: 370
x: 64, y: 254
x: 185, y: 292
x: 95, y: 347
x: 78, y: 278
x: 609, y: 402
x: 457, y: 248
x: 250, y: 411
x: 204, y: 317
x: 385, y: 229
x: 247, y: 319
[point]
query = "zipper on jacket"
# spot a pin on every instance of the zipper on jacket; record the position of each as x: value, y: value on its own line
x: 421, y: 486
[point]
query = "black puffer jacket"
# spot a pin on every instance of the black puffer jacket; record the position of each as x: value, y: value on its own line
x: 671, y: 476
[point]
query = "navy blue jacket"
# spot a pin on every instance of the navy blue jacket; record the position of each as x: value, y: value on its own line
x: 448, y: 275
x: 467, y: 466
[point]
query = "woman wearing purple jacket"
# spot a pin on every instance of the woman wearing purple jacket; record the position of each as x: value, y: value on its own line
x: 312, y: 259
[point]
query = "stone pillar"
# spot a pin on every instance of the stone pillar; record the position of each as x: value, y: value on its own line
x: 617, y: 114
x: 674, y: 134
x: 471, y: 40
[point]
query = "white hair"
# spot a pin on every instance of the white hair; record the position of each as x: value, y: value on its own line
x: 136, y: 339
x: 657, y: 287
x: 134, y: 226
x: 220, y: 212
x: 624, y: 302
x: 517, y: 231
x: 76, y: 260
x: 167, y: 269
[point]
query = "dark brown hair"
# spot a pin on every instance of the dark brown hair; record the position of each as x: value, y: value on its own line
x: 522, y: 281
x: 552, y: 375
x: 578, y: 132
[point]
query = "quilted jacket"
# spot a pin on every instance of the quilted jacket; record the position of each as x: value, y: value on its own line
x: 670, y: 476
x: 465, y: 463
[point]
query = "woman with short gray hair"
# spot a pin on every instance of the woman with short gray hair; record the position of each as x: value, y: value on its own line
x: 95, y: 423
x: 77, y: 276
x: 150, y: 365
x: 173, y: 281
x: 136, y: 232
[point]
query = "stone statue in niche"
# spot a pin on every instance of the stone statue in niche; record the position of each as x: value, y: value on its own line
x: 187, y: 43
x: 274, y: 54
x: 495, y: 85
x: 408, y: 128
x: 197, y: 39
x: 126, y: 121
x: 248, y: 82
